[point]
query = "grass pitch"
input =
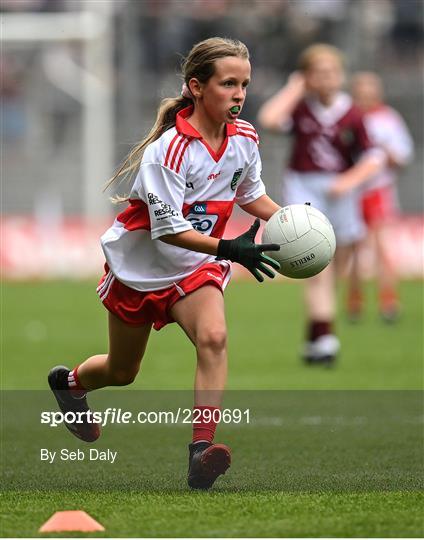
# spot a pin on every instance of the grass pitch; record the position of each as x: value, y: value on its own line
x: 328, y: 452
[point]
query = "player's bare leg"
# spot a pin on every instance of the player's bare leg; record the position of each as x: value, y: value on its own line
x: 355, y: 299
x: 321, y: 345
x: 119, y: 367
x: 201, y: 315
x: 386, y: 278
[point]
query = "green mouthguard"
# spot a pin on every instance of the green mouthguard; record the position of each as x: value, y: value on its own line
x: 235, y: 109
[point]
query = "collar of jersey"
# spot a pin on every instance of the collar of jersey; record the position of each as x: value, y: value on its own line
x: 330, y: 115
x: 185, y: 128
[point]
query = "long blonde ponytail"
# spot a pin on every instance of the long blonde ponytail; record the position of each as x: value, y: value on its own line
x: 165, y: 120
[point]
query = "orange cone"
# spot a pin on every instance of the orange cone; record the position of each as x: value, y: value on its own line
x: 71, y: 520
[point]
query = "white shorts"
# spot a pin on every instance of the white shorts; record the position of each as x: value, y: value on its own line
x: 343, y: 212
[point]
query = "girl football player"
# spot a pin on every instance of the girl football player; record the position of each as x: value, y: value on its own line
x: 379, y: 199
x: 331, y: 157
x: 165, y: 259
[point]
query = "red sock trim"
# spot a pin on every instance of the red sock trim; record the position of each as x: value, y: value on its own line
x: 317, y: 329
x: 74, y: 383
x: 204, y: 422
x: 388, y: 297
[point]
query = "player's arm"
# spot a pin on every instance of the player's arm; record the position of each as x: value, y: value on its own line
x: 192, y: 240
x: 242, y: 249
x: 163, y: 192
x: 264, y: 207
x: 393, y: 161
x: 398, y: 143
x: 371, y: 163
x: 278, y: 110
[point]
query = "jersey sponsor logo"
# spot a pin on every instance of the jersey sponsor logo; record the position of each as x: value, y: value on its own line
x: 202, y: 223
x: 165, y: 211
x: 214, y: 176
x: 153, y: 199
x: 201, y: 208
x: 235, y: 179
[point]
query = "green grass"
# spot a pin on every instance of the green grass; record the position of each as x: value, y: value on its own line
x: 312, y: 462
x: 162, y: 514
x: 50, y: 323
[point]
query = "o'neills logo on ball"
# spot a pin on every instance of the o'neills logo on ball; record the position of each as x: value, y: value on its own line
x: 283, y: 217
x: 303, y: 260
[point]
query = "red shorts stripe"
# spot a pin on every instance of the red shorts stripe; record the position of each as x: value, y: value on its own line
x: 101, y: 290
x: 137, y: 308
x: 104, y: 293
x: 104, y: 282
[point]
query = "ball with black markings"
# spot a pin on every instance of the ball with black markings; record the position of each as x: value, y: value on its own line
x: 306, y: 239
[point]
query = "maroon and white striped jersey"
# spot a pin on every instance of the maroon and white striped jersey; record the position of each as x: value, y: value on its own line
x: 182, y: 184
x: 327, y: 139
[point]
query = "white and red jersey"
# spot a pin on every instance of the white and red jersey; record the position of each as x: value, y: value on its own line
x: 387, y: 130
x: 182, y: 184
x: 327, y: 138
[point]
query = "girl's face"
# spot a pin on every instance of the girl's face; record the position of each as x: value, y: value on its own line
x: 325, y: 76
x: 222, y: 97
x: 367, y: 91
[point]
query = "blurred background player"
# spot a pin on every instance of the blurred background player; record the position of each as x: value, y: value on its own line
x: 197, y: 161
x: 330, y: 158
x: 379, y: 201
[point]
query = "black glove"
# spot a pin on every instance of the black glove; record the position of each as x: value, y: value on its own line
x: 243, y: 250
